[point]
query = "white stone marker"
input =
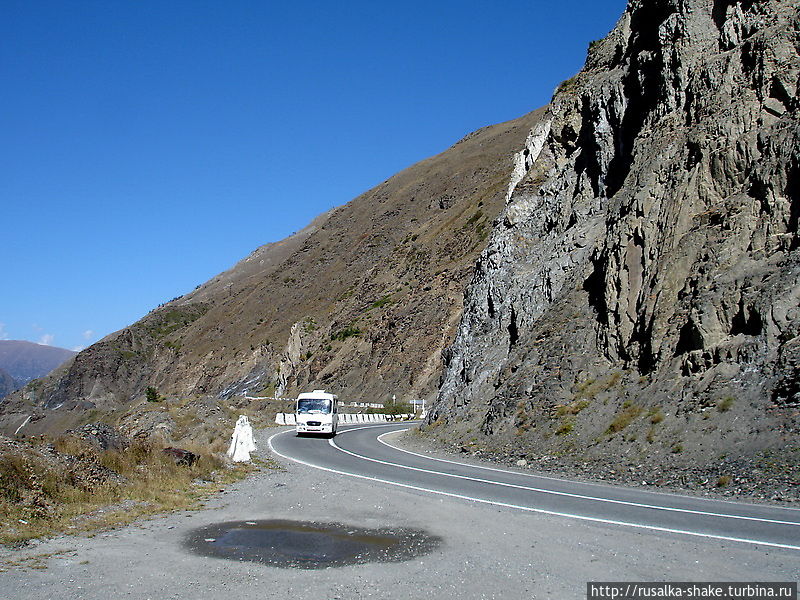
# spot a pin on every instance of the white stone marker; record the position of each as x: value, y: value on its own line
x: 242, y: 443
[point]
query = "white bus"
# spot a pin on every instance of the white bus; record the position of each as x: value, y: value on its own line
x: 317, y: 412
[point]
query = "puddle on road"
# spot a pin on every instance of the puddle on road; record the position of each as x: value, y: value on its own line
x: 307, y: 545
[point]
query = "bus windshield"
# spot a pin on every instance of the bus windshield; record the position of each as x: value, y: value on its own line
x: 314, y: 406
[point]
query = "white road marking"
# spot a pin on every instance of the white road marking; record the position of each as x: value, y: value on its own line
x: 545, y: 477
x: 557, y: 493
x: 528, y: 508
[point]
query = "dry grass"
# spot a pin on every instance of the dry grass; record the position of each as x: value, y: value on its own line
x: 725, y: 404
x: 522, y: 419
x: 573, y: 408
x: 624, y: 418
x: 656, y: 416
x: 37, y: 562
x: 72, y: 487
x: 590, y: 388
x: 69, y: 485
x: 566, y: 426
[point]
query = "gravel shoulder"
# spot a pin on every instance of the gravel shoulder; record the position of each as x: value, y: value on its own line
x: 487, y: 552
x: 748, y: 481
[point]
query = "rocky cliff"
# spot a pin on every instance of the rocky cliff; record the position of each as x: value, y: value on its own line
x: 361, y: 302
x: 638, y: 298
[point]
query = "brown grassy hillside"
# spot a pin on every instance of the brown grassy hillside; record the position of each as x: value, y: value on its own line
x: 361, y: 302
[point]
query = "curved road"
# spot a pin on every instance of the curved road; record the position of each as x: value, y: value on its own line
x: 361, y: 451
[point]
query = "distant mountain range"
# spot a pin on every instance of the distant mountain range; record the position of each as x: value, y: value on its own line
x: 21, y: 362
x: 7, y: 383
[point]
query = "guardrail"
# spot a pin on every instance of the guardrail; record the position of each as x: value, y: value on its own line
x: 347, y: 418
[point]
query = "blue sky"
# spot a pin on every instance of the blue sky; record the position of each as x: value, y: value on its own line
x: 149, y: 145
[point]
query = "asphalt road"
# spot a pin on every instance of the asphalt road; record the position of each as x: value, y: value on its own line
x: 362, y: 452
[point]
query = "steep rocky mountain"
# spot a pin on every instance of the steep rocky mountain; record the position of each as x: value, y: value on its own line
x: 7, y: 383
x: 360, y: 302
x: 638, y: 298
x: 25, y: 361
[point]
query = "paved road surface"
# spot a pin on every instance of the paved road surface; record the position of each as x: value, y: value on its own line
x: 363, y: 452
